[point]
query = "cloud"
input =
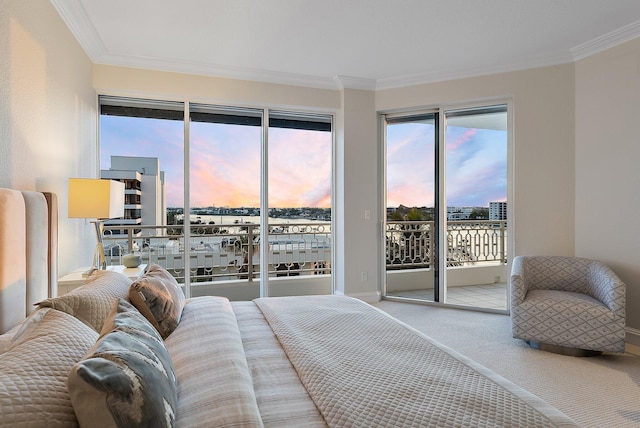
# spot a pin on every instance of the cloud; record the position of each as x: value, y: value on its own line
x: 299, y: 168
x: 476, y: 166
x: 225, y: 162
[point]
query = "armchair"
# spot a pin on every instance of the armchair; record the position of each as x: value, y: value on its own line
x: 568, y: 305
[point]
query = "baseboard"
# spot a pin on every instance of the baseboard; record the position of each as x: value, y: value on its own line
x: 633, y: 336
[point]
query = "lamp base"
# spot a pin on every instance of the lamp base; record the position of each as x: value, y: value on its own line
x: 87, y: 273
x: 99, y: 259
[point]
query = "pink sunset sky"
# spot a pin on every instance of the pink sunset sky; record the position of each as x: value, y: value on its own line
x: 225, y: 163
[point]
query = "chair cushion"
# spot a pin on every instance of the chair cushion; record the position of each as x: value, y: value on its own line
x: 567, y: 319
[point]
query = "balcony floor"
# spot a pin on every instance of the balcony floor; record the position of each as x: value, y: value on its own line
x: 488, y: 296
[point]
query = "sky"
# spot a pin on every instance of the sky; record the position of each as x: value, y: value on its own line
x: 225, y: 163
x: 476, y: 166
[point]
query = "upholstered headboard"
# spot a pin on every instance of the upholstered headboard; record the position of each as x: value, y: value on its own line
x: 28, y: 252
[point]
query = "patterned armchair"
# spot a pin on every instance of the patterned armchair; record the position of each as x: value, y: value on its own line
x: 567, y: 305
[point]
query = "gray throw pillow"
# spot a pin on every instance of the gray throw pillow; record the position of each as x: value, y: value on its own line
x: 128, y: 378
x: 159, y: 298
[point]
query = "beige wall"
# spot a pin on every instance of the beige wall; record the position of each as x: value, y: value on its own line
x: 542, y: 156
x: 133, y: 82
x: 356, y: 240
x: 47, y: 114
x: 607, y: 173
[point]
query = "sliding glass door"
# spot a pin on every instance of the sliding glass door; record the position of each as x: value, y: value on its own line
x: 446, y: 201
x: 411, y: 206
x: 299, y: 201
x: 224, y: 192
x: 142, y: 145
x: 476, y: 197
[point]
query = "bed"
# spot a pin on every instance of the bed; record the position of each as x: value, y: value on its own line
x: 312, y: 361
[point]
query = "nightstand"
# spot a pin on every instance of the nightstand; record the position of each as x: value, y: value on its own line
x: 75, y: 278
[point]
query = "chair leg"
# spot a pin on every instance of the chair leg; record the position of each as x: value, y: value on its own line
x: 563, y: 350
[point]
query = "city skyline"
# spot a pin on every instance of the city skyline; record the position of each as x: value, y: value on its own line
x: 228, y: 175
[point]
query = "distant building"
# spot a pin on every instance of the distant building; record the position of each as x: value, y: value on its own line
x: 497, y: 210
x: 145, y: 202
x: 459, y: 213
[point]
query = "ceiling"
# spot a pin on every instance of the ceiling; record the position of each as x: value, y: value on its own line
x: 365, y: 44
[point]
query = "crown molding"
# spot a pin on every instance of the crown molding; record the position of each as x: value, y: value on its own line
x: 455, y: 74
x: 609, y: 40
x: 350, y: 82
x: 75, y: 17
x: 203, y: 69
x: 337, y: 82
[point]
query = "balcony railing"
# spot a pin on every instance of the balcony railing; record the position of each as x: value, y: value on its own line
x: 232, y: 251
x: 411, y: 244
x: 226, y: 251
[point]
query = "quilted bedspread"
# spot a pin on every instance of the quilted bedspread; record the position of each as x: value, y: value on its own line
x: 363, y: 368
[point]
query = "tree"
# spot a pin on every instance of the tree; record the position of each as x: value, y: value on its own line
x: 479, y: 214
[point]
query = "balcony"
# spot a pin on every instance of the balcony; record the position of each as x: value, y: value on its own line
x: 224, y: 259
x: 476, y: 271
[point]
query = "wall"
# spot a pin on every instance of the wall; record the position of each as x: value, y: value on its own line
x: 357, y: 250
x: 607, y: 174
x: 132, y: 82
x: 47, y: 115
x: 542, y: 153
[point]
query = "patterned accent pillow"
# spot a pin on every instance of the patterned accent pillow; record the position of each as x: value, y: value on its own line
x: 128, y: 378
x: 159, y: 298
x: 35, y: 367
x: 92, y: 302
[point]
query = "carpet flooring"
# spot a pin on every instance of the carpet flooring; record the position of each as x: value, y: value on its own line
x: 602, y: 391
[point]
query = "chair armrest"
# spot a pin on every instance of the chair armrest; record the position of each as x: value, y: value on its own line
x: 517, y: 281
x: 607, y: 287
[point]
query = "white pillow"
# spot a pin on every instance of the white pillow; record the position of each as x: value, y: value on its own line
x: 92, y: 302
x: 35, y: 367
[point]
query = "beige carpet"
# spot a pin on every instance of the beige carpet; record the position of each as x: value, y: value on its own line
x: 598, y: 392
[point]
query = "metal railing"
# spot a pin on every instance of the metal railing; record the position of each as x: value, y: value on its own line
x: 411, y: 244
x: 225, y: 251
x: 232, y: 251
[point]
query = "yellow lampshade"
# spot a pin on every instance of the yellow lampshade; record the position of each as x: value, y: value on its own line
x: 95, y: 198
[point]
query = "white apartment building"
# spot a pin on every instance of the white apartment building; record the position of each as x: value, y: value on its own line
x: 145, y: 202
x: 459, y: 213
x: 497, y: 210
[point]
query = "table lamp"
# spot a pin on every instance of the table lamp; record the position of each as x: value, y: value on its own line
x: 99, y: 199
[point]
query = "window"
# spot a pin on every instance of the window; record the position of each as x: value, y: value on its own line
x: 251, y: 196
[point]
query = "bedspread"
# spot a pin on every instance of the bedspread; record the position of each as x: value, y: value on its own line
x: 362, y: 368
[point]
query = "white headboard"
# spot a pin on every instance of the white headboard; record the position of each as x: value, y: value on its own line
x: 28, y: 252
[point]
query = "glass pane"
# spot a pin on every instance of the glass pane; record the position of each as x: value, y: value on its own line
x: 225, y: 203
x: 476, y: 194
x: 410, y: 190
x: 147, y: 154
x: 299, y: 208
